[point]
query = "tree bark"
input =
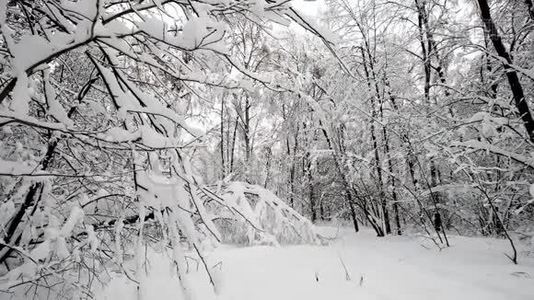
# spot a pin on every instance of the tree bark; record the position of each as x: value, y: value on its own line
x: 422, y: 19
x: 513, y: 79
x: 232, y: 150
x: 223, y: 167
x: 311, y: 196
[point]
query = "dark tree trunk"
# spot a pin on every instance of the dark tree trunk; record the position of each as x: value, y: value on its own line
x: 422, y: 19
x: 530, y: 7
x: 311, y: 196
x: 34, y: 193
x: 292, y: 167
x: 513, y: 79
x: 352, y: 212
x: 232, y: 149
x: 268, y: 158
x: 223, y: 167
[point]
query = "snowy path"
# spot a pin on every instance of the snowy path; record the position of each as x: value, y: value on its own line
x: 392, y: 268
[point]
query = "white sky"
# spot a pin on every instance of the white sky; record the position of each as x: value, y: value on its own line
x: 309, y: 7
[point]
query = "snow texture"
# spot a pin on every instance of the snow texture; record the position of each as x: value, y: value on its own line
x: 354, y: 266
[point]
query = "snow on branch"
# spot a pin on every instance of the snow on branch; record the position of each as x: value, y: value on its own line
x: 94, y: 102
x: 267, y: 218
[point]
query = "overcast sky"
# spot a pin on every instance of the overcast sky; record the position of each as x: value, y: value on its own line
x: 311, y: 8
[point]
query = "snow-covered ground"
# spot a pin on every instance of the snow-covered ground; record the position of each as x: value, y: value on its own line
x: 387, y: 268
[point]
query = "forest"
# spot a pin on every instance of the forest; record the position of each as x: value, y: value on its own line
x: 266, y: 149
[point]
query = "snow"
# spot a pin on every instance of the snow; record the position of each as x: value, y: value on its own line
x: 6, y: 211
x: 477, y: 145
x: 76, y: 216
x: 376, y: 268
x: 21, y: 95
x: 54, y: 107
x: 269, y: 220
x: 16, y: 167
x: 198, y: 32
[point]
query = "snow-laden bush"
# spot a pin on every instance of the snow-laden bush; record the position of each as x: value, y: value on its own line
x: 254, y: 215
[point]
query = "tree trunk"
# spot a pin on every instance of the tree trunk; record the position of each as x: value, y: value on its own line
x: 369, y: 70
x: 311, y: 196
x: 246, y: 130
x: 352, y: 212
x: 232, y: 150
x: 223, y: 167
x: 353, y: 194
x: 422, y: 18
x: 292, y: 167
x: 513, y: 79
x: 530, y: 7
x: 268, y: 166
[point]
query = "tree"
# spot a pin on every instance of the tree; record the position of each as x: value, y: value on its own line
x: 513, y: 79
x: 95, y: 147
